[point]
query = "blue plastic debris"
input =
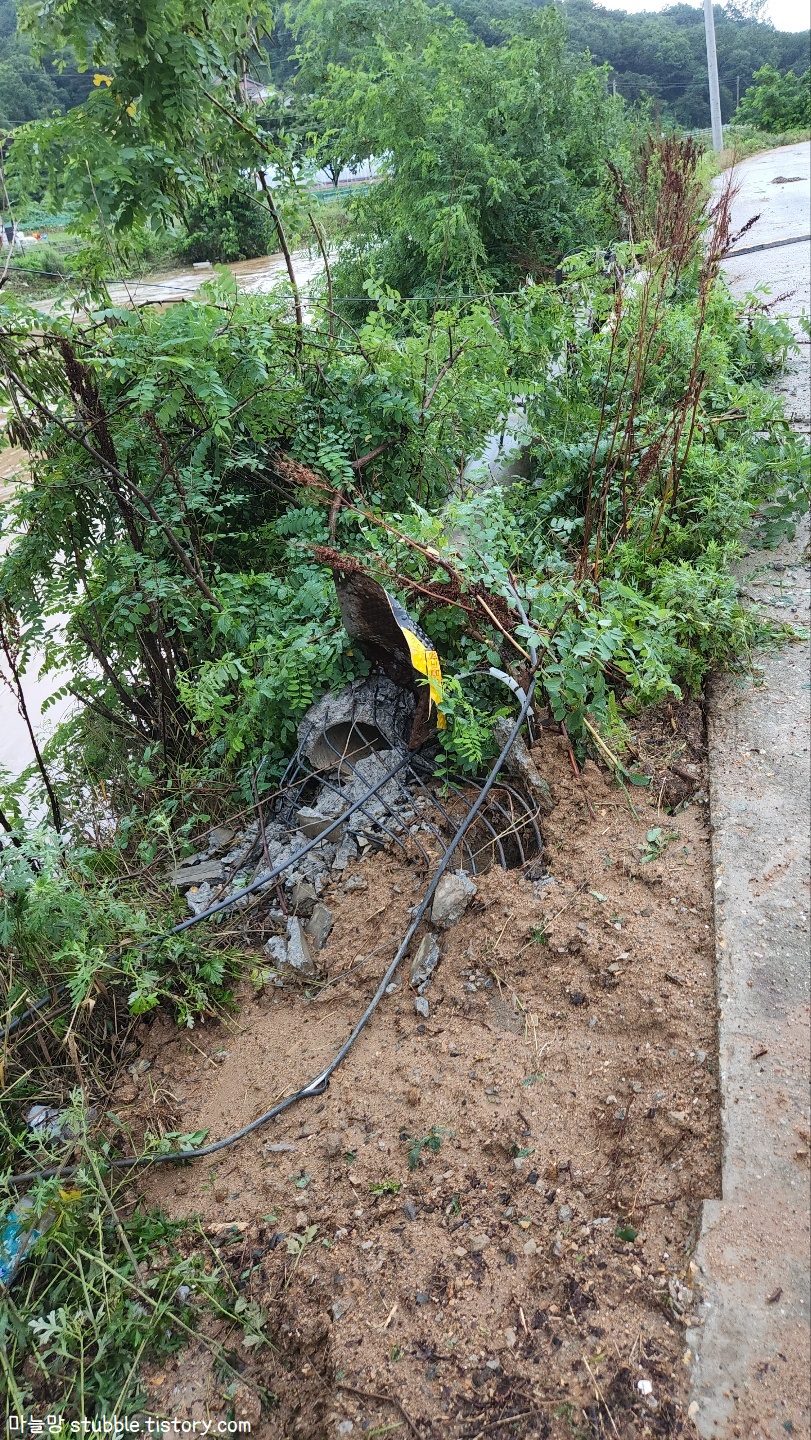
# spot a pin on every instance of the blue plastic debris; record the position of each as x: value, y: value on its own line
x: 21, y: 1228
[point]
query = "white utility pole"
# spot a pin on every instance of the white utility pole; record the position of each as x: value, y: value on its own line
x: 712, y: 71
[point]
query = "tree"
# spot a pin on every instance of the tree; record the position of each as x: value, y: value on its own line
x: 491, y: 158
x: 223, y: 227
x: 658, y: 55
x: 168, y: 119
x: 26, y: 90
x: 156, y: 126
x: 30, y: 88
x: 776, y: 102
x: 751, y: 10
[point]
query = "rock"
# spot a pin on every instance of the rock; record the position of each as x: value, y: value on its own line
x: 333, y: 1145
x: 530, y: 1247
x: 198, y: 898
x: 410, y: 1210
x: 565, y: 1213
x: 510, y: 1338
x: 355, y: 882
x: 276, y: 949
x: 346, y: 1427
x: 477, y: 1243
x: 319, y: 925
x: 424, y: 963
x: 299, y: 954
x: 677, y: 1117
x: 312, y: 823
x: 347, y: 850
x: 220, y: 838
x: 520, y: 763
x: 421, y: 1297
x: 453, y: 895
x: 303, y: 897
x: 209, y: 872
x: 700, y: 1056
x: 421, y: 1006
x: 681, y: 1295
x: 140, y: 1067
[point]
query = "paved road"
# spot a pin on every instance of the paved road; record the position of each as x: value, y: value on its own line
x: 751, y: 1374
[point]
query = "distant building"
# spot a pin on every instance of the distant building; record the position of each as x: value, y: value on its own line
x: 255, y: 93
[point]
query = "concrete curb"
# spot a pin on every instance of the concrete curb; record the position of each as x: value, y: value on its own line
x: 752, y: 1343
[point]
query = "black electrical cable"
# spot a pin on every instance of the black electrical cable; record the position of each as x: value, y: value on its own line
x: 319, y: 1083
x: 771, y: 245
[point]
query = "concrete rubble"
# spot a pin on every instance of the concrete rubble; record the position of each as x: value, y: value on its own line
x: 352, y: 741
x: 520, y: 764
x: 426, y: 959
x: 453, y: 895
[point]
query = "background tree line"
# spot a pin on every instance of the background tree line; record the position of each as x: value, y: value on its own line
x: 657, y: 55
x: 661, y: 55
x: 30, y: 87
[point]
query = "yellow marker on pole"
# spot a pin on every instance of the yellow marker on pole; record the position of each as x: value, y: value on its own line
x: 423, y: 656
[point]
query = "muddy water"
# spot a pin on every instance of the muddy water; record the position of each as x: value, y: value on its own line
x: 252, y: 277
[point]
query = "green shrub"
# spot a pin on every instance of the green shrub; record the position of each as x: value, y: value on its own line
x: 776, y: 102
x: 228, y: 226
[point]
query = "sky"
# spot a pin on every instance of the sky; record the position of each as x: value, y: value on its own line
x: 784, y: 14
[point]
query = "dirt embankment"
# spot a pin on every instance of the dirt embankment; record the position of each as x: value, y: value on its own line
x: 484, y: 1226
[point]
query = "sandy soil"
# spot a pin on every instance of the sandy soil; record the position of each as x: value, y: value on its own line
x: 566, y: 1079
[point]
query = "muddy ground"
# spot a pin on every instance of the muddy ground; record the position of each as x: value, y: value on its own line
x: 484, y: 1226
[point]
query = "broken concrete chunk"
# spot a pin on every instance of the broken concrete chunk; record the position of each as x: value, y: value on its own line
x: 368, y: 715
x: 303, y: 897
x: 198, y: 898
x: 319, y: 925
x: 276, y: 949
x: 312, y: 823
x: 355, y: 882
x: 220, y: 838
x: 424, y: 963
x: 208, y: 872
x: 421, y: 1006
x: 520, y: 763
x: 453, y: 895
x: 299, y: 954
x: 347, y: 850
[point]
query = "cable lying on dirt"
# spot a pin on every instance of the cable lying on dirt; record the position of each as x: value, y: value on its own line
x: 319, y: 1083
